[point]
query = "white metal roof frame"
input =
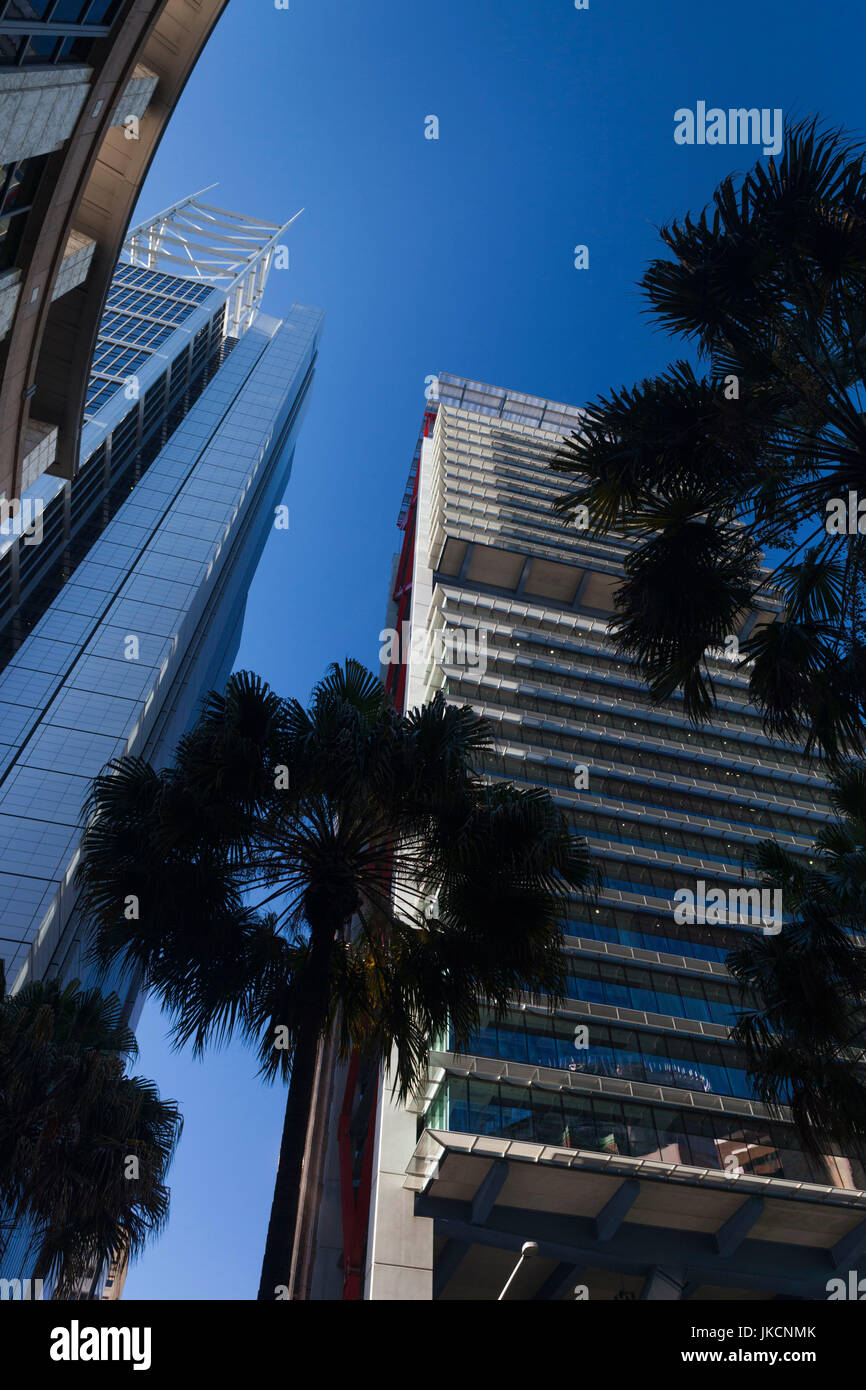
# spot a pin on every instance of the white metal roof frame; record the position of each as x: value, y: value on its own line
x: 199, y: 241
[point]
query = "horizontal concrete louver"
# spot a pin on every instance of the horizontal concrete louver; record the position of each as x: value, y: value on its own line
x: 137, y: 95
x: 38, y: 109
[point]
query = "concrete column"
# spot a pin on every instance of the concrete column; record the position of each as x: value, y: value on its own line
x: 400, y: 1244
x: 664, y: 1283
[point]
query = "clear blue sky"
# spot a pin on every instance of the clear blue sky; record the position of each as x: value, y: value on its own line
x: 556, y: 129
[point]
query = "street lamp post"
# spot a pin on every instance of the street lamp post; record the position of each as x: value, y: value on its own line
x: 526, y: 1253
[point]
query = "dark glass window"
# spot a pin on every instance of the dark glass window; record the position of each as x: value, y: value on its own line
x: 68, y: 11
x: 31, y: 10
x: 18, y: 184
x: 516, y: 1113
x: 39, y: 48
x: 483, y: 1113
x: 101, y: 11
x: 603, y: 1125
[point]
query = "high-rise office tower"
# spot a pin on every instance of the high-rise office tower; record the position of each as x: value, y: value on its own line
x: 122, y: 589
x: 618, y: 1133
x: 86, y: 89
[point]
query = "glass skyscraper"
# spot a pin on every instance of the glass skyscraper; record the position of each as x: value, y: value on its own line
x: 124, y: 587
x: 619, y: 1132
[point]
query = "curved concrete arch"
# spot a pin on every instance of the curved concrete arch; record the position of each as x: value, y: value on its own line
x: 89, y: 187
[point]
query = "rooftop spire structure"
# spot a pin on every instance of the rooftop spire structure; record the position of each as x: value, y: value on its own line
x: 226, y: 249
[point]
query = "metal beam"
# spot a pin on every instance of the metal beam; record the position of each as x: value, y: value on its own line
x: 485, y: 1198
x: 611, y: 1216
x: 47, y: 29
x: 730, y: 1236
x: 466, y: 562
x: 447, y: 1265
x: 766, y: 1266
x: 559, y: 1281
x: 524, y: 576
x: 141, y: 227
x: 850, y: 1247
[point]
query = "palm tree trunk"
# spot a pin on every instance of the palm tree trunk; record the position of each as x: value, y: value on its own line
x: 312, y: 1177
x: 279, y: 1246
x: 276, y: 1276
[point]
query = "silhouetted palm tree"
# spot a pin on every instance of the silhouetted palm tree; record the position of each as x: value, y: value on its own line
x: 84, y: 1148
x: 339, y: 868
x: 805, y: 1039
x: 704, y: 473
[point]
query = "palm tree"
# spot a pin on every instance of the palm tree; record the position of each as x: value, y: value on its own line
x: 762, y: 452
x: 805, y: 1037
x: 84, y: 1148
x: 332, y: 871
